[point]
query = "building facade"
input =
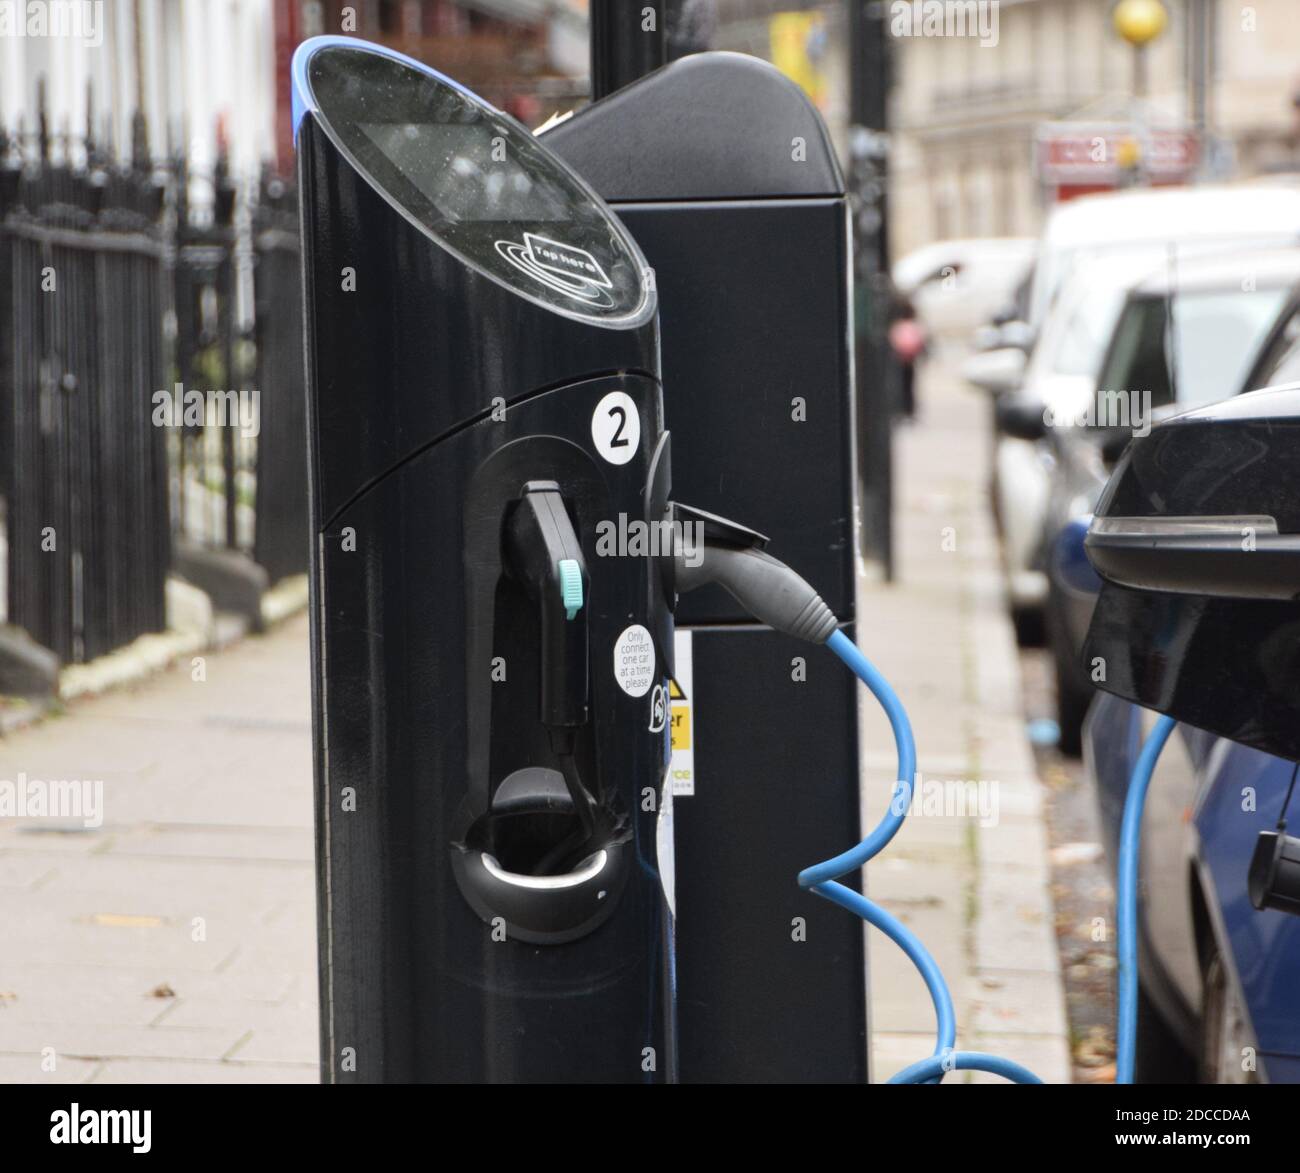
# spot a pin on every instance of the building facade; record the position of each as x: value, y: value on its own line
x: 966, y: 110
x: 201, y: 73
x: 214, y: 74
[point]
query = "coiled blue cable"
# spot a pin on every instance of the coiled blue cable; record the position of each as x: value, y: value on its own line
x: 822, y: 879
x: 1126, y: 897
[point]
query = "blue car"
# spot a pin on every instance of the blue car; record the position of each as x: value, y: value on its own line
x: 1217, y: 977
x: 1194, y: 560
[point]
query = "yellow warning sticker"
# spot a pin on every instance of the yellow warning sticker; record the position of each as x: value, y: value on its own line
x: 682, y: 767
x: 681, y: 727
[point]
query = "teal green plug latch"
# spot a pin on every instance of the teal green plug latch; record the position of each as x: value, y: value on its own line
x: 571, y: 586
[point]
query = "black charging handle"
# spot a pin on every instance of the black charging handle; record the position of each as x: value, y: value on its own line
x: 544, y: 554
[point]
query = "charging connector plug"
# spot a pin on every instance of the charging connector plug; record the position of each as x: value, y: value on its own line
x: 710, y: 549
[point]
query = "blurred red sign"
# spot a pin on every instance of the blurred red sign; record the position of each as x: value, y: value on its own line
x: 1096, y: 156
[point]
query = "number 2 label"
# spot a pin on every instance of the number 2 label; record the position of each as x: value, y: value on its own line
x: 616, y: 427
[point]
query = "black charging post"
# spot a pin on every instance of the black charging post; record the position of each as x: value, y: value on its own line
x: 724, y: 173
x: 494, y: 870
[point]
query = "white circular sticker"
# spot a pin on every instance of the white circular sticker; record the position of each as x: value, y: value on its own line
x: 616, y: 427
x: 634, y: 660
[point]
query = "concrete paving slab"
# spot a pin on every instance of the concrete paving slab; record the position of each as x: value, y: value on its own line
x: 155, y: 946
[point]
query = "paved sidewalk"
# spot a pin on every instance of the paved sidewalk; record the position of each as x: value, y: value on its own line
x: 176, y: 942
x: 976, y: 890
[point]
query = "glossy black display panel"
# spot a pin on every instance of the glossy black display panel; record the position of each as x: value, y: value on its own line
x: 479, y: 183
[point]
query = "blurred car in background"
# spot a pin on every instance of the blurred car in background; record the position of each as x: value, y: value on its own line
x: 1192, y: 218
x: 1185, y: 219
x: 1187, y: 335
x: 1279, y: 358
x: 1060, y: 379
x: 1157, y: 228
x: 956, y: 286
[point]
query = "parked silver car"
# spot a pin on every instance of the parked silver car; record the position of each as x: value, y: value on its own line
x: 1165, y: 224
x: 1188, y: 334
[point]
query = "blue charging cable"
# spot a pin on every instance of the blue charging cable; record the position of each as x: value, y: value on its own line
x: 823, y: 879
x: 777, y: 596
x: 1126, y: 897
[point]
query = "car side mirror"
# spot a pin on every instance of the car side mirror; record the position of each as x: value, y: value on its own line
x: 1020, y: 416
x: 1017, y: 335
x: 995, y: 371
x: 1197, y: 542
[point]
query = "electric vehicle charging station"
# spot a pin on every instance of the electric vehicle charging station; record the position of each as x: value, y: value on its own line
x: 723, y: 171
x: 491, y: 681
x: 483, y: 382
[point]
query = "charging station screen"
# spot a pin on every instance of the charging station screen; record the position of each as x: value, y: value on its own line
x: 478, y: 182
x: 465, y: 175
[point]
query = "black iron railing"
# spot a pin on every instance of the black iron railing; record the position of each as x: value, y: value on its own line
x: 281, y: 544
x: 151, y: 387
x: 86, y: 500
